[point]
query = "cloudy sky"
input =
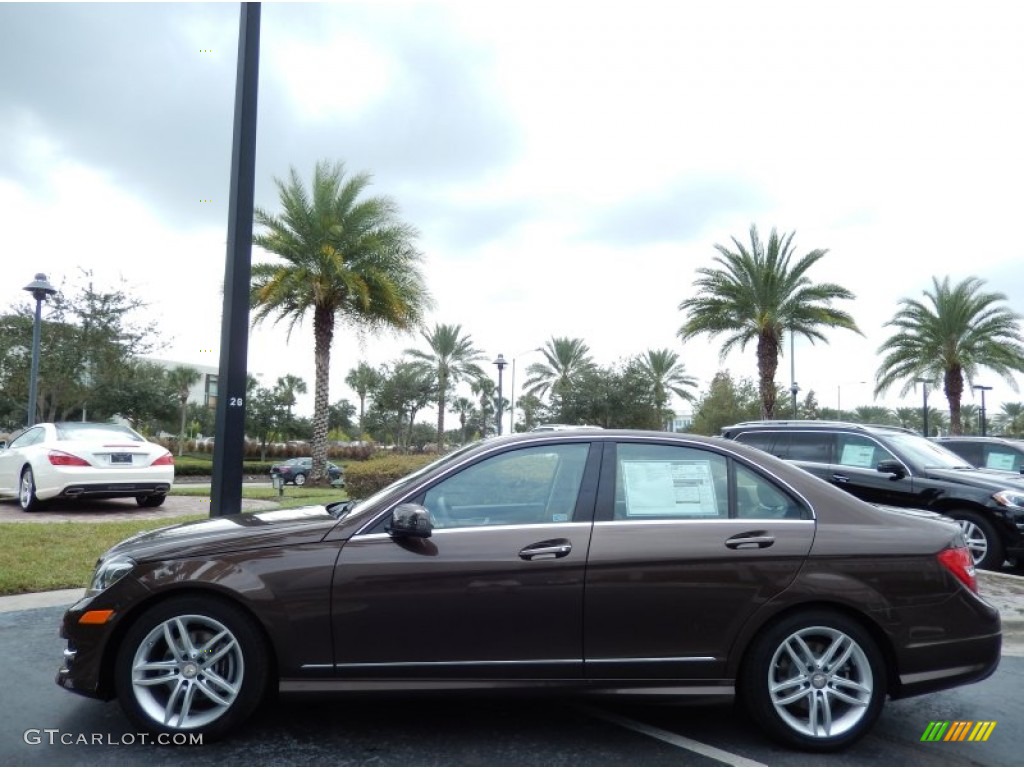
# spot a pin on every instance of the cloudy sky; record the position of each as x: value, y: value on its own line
x: 568, y: 164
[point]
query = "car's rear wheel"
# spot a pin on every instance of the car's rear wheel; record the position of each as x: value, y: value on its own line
x: 153, y: 500
x: 814, y: 680
x: 191, y: 664
x: 982, y: 539
x: 27, y: 491
x: 300, y: 478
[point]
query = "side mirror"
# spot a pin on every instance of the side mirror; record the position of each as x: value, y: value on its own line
x: 410, y: 520
x: 891, y: 467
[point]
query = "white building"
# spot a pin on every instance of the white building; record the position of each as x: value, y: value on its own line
x: 204, y: 392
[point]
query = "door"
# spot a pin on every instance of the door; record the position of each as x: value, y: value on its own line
x: 687, y: 545
x: 495, y: 592
x: 854, y: 470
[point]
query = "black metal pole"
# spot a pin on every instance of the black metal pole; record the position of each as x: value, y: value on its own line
x: 500, y: 368
x: 33, y: 383
x: 924, y: 409
x: 228, y: 450
x: 983, y: 413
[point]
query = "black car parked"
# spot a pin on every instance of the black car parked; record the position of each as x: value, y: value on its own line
x: 896, y: 467
x: 295, y: 471
x: 987, y: 452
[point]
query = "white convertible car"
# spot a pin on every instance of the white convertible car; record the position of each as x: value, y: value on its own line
x: 72, y: 460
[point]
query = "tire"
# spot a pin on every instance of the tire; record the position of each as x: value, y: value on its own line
x: 825, y: 706
x: 191, y: 665
x: 154, y: 500
x: 982, y: 539
x: 27, y: 498
x: 300, y: 479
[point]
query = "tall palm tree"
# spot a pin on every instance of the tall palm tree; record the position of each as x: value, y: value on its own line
x: 451, y: 357
x: 565, y: 360
x: 465, y: 408
x: 182, y: 378
x: 755, y: 294
x: 950, y: 336
x: 663, y: 371
x: 346, y: 258
x: 363, y: 380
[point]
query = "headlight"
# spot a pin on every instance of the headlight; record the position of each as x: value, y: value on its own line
x: 109, y: 572
x: 1010, y: 498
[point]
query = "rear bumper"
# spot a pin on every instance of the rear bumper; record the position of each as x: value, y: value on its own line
x: 983, y: 653
x: 113, y: 490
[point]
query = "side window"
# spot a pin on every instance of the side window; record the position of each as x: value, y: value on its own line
x: 997, y: 457
x: 520, y: 487
x: 969, y: 452
x: 758, y: 497
x: 860, y: 451
x: 31, y: 437
x: 760, y: 440
x: 810, y: 446
x: 655, y: 482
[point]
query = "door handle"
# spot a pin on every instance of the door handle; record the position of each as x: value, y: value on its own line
x: 749, y: 542
x: 546, y: 550
x: 840, y: 478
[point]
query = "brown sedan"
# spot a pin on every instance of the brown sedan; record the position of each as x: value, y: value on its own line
x: 610, y: 562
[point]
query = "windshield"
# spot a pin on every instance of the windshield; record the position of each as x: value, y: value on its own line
x: 925, y: 453
x: 407, y: 480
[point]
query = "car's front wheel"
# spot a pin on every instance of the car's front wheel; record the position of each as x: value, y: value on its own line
x: 814, y: 680
x: 191, y: 664
x: 27, y: 491
x: 153, y: 500
x: 982, y: 539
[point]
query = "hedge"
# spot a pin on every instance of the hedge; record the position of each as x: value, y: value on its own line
x: 365, y: 478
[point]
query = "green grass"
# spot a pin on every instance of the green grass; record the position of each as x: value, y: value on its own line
x: 44, y: 556
x: 38, y: 557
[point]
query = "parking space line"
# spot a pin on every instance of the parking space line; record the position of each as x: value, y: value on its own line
x: 674, y: 739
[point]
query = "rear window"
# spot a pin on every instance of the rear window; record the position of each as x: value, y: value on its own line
x: 97, y: 432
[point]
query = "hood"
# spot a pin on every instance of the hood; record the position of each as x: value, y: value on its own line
x: 984, y: 479
x: 231, y: 533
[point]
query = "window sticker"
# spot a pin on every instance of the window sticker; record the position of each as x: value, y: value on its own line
x: 855, y: 455
x: 669, y: 488
x: 1002, y: 461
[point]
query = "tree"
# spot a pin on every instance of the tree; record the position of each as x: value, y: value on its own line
x: 614, y: 397
x: 664, y: 373
x: 726, y: 402
x: 363, y: 380
x: 1010, y: 419
x: 465, y: 408
x: 873, y: 414
x: 263, y: 413
x: 181, y: 379
x: 406, y: 388
x: 533, y: 412
x: 756, y: 295
x: 565, y: 360
x: 452, y: 357
x: 339, y: 417
x: 952, y: 335
x: 287, y: 387
x: 348, y: 260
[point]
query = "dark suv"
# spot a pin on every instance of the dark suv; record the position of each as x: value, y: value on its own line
x: 987, y: 452
x: 899, y: 468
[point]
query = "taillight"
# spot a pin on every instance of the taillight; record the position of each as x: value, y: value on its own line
x: 959, y: 562
x: 61, y: 459
x: 163, y: 461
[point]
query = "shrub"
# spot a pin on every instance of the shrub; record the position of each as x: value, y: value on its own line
x: 365, y: 478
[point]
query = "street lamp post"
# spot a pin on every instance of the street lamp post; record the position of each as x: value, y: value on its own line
x: 501, y: 363
x: 924, y: 405
x: 793, y: 387
x: 40, y: 288
x: 983, y: 389
x: 839, y: 397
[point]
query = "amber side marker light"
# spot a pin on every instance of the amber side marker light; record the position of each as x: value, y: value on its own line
x: 96, y: 617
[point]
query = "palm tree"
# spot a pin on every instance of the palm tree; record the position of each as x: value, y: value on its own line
x: 363, y: 380
x: 755, y: 294
x: 953, y: 334
x: 663, y: 371
x: 348, y: 260
x: 465, y: 408
x: 182, y: 378
x: 451, y: 358
x: 565, y: 360
x: 873, y: 414
x: 286, y: 388
x: 1010, y: 419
